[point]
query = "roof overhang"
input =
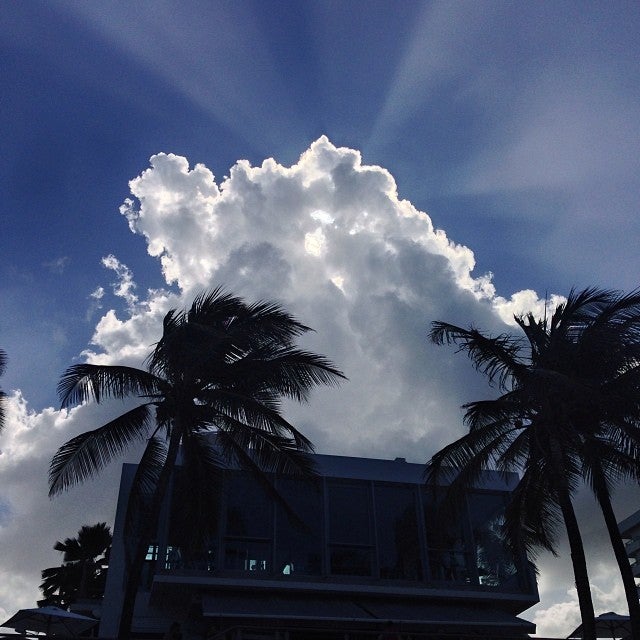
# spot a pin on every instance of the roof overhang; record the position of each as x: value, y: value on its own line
x: 364, y: 613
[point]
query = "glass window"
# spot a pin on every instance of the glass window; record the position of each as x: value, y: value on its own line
x: 397, y: 529
x: 249, y: 524
x: 449, y: 553
x: 192, y: 534
x: 350, y: 536
x: 350, y: 561
x: 349, y: 513
x: 249, y: 508
x: 299, y: 537
x: 247, y: 555
x: 495, y: 563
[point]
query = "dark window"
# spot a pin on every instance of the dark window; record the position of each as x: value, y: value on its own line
x: 247, y: 555
x: 192, y: 534
x: 449, y: 553
x: 350, y: 538
x: 249, y: 524
x: 350, y: 561
x: 397, y: 529
x: 299, y: 528
x: 495, y: 563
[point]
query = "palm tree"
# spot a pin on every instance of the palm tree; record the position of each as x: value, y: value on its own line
x: 3, y: 395
x: 568, y: 411
x: 59, y: 586
x: 81, y: 574
x: 222, y: 367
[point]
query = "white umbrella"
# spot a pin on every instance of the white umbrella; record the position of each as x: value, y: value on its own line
x: 50, y: 620
x: 608, y: 625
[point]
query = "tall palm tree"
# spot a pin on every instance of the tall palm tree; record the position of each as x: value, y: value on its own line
x: 222, y: 367
x: 81, y: 574
x: 3, y: 395
x: 568, y: 411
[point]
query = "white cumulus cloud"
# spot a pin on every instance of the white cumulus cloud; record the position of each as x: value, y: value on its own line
x: 331, y: 239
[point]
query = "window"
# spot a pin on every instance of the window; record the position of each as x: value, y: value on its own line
x: 299, y: 537
x: 193, y: 523
x: 495, y: 564
x: 350, y: 536
x: 249, y: 530
x: 397, y: 529
x: 448, y: 549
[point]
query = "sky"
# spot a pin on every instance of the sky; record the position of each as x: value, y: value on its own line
x: 373, y: 166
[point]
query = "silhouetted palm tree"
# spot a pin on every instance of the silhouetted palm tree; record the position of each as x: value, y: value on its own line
x: 3, y: 395
x: 569, y: 411
x: 81, y: 575
x: 59, y: 586
x: 221, y: 366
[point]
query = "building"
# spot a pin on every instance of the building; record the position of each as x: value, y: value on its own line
x: 630, y: 531
x: 364, y: 555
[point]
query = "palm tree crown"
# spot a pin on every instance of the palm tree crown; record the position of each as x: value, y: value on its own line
x: 222, y: 366
x: 568, y: 411
x: 81, y: 574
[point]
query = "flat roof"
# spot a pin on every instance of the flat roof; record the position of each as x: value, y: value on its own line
x: 398, y: 470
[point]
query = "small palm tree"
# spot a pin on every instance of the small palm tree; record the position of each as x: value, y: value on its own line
x: 569, y: 411
x: 59, y: 586
x: 222, y: 367
x: 81, y: 574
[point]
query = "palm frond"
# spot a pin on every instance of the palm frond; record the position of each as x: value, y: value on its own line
x: 83, y: 456
x: 247, y: 323
x: 607, y: 464
x: 260, y: 413
x: 287, y: 372
x: 215, y: 307
x: 3, y: 399
x: 268, y: 321
x: 536, y: 332
x: 464, y: 463
x: 532, y: 516
x: 271, y: 452
x: 499, y: 357
x: 90, y: 543
x: 579, y: 309
x: 235, y: 452
x: 144, y: 485
x: 510, y: 407
x: 84, y: 382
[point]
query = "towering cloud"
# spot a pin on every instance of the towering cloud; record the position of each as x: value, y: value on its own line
x: 331, y: 240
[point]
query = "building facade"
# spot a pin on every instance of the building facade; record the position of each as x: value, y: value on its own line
x: 630, y: 531
x: 357, y: 553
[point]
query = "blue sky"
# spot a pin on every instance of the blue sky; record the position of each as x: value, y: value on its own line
x: 513, y: 125
x: 498, y: 119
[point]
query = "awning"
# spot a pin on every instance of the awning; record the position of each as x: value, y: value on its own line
x: 289, y: 607
x: 362, y: 610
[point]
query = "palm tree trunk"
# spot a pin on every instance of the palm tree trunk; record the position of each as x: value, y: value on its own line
x: 579, y: 567
x: 630, y: 589
x: 578, y: 558
x: 146, y: 535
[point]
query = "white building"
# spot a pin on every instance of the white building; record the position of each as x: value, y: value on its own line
x: 368, y: 555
